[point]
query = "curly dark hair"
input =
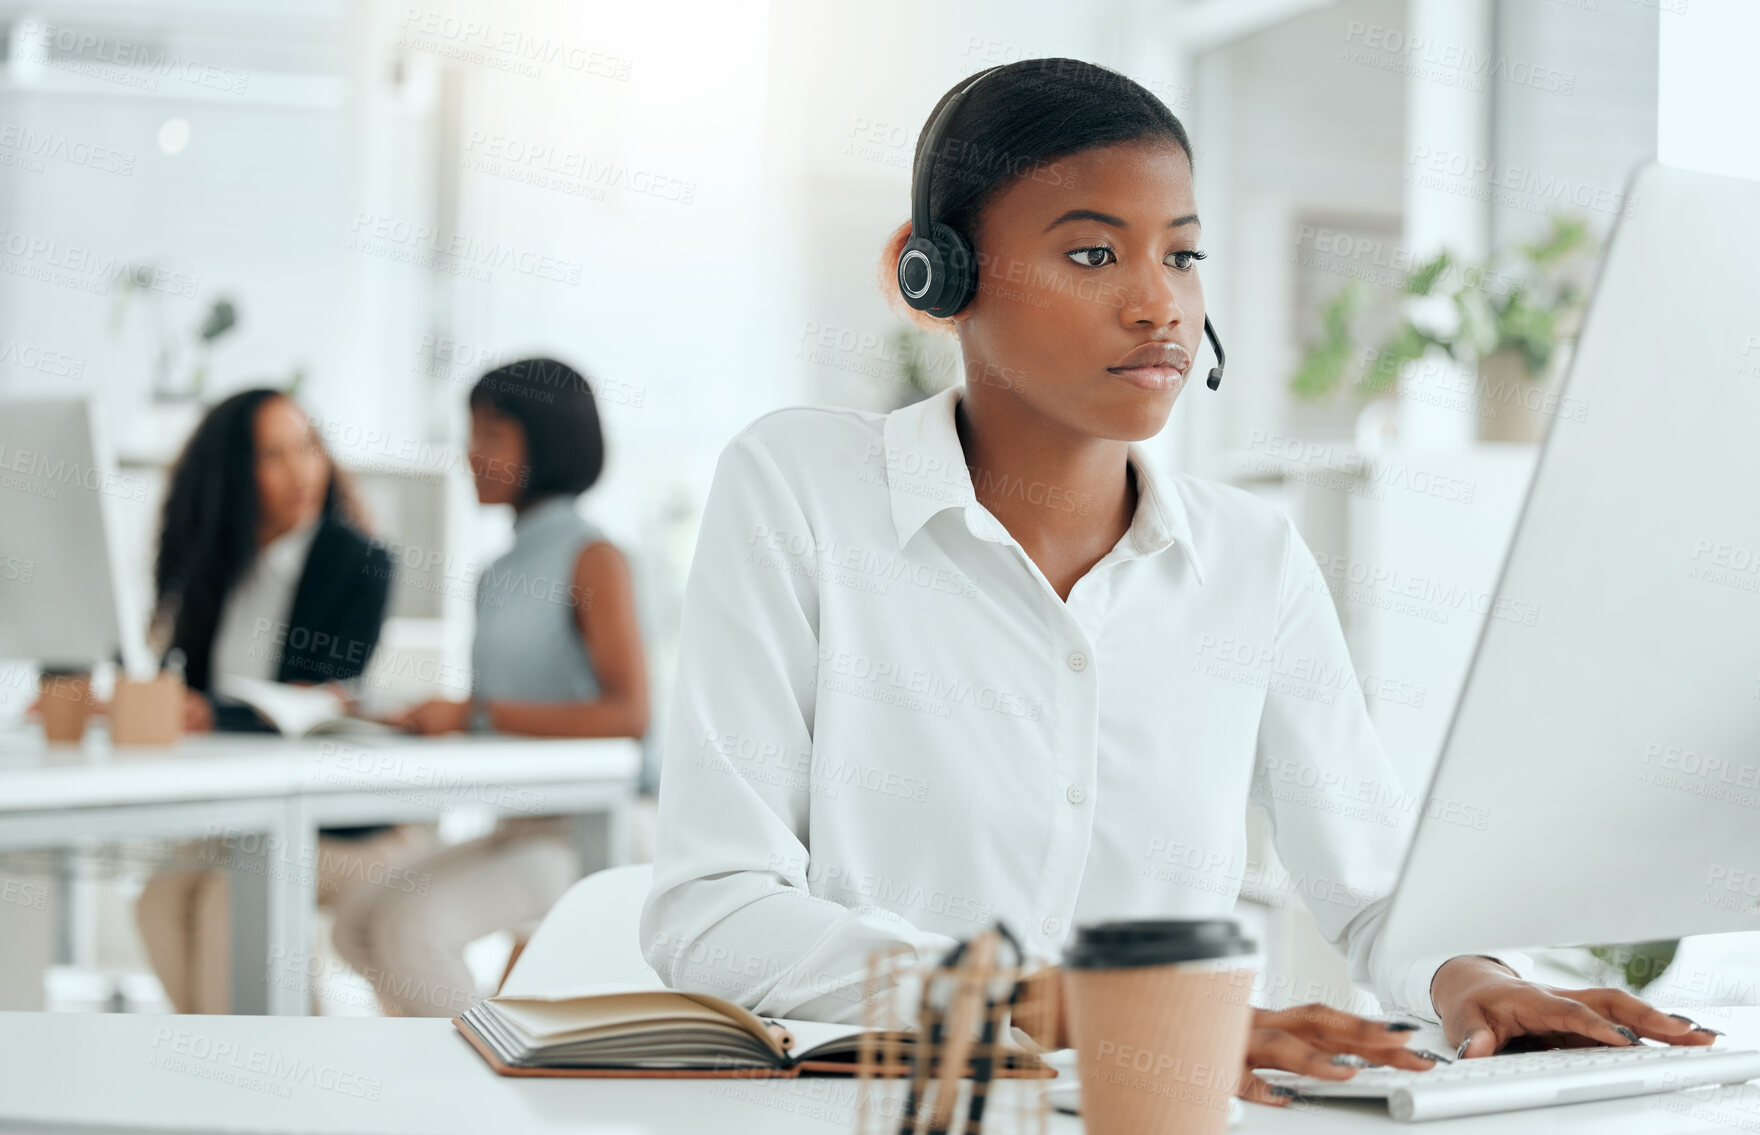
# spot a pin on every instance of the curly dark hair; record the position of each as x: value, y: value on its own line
x: 208, y: 532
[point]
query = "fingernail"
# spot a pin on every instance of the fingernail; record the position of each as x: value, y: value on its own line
x: 1282, y: 1092
x: 1401, y: 1027
x: 1627, y: 1033
x: 1461, y: 1052
x: 1432, y: 1056
x: 1695, y: 1025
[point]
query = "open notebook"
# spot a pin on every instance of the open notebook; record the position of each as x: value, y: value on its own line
x: 623, y: 1031
x: 297, y: 711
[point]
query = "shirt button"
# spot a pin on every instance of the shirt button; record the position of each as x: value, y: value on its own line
x: 1078, y: 661
x: 1051, y: 926
x: 1075, y: 795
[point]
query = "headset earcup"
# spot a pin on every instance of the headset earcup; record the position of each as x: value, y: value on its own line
x: 920, y: 273
x: 937, y: 275
x: 959, y: 275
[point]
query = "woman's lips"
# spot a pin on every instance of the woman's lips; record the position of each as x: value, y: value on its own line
x: 1151, y: 378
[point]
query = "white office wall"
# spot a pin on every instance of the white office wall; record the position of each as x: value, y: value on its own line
x: 1574, y: 151
x: 253, y: 205
x: 648, y: 192
x: 1709, y: 87
x: 1286, y: 123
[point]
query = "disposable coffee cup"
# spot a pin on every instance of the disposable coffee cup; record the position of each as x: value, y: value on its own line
x: 1159, y: 1014
x: 64, y: 700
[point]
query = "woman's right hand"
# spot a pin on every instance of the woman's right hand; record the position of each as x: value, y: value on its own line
x: 437, y: 715
x: 1307, y: 1038
x: 198, y: 712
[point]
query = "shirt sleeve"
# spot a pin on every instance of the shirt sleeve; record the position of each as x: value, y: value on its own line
x: 1340, y: 816
x: 731, y: 911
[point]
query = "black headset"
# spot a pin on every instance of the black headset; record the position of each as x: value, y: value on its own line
x: 937, y: 272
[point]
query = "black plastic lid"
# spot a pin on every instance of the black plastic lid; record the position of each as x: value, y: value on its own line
x: 1154, y: 942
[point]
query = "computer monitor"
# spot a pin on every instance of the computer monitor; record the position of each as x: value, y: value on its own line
x: 1600, y: 778
x: 64, y: 596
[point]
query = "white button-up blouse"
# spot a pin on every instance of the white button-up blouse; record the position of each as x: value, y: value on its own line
x: 887, y: 730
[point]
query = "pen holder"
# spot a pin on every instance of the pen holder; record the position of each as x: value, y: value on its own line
x: 147, y: 713
x: 937, y: 1053
x: 64, y: 699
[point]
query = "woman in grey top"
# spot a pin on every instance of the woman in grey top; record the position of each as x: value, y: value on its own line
x: 557, y: 653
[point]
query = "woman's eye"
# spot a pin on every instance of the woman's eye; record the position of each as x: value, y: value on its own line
x: 1191, y: 255
x: 1084, y: 256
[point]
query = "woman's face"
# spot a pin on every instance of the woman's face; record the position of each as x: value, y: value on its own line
x: 293, y: 472
x: 497, y: 456
x: 1085, y: 268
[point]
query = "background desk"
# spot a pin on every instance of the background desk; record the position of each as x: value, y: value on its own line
x: 392, y: 1076
x: 270, y: 795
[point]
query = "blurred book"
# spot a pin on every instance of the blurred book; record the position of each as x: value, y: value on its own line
x: 297, y: 711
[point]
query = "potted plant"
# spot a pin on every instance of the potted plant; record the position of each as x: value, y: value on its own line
x: 1512, y: 318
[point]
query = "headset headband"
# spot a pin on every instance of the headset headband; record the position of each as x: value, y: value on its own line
x: 932, y: 147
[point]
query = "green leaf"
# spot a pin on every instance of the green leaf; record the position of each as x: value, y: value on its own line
x: 1323, y: 366
x: 1640, y: 963
x: 1568, y: 235
x: 1321, y: 369
x: 1407, y: 343
x: 1421, y: 281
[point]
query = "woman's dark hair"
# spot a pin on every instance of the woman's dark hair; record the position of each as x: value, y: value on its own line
x: 551, y: 401
x: 1018, y: 121
x: 1027, y: 115
x: 208, y: 535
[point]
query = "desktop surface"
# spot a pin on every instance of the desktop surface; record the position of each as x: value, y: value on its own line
x: 401, y: 1076
x: 35, y: 775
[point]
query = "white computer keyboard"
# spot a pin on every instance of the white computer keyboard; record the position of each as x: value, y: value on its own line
x: 1534, y: 1079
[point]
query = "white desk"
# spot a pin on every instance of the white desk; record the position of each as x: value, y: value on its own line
x: 269, y: 796
x: 392, y: 1076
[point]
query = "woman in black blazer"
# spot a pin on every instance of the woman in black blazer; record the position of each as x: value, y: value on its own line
x: 264, y: 571
x: 255, y: 478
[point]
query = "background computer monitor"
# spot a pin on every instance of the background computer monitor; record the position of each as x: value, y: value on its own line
x: 64, y: 596
x: 1600, y: 780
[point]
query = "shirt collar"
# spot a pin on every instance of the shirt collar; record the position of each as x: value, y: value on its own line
x: 286, y: 554
x: 926, y: 473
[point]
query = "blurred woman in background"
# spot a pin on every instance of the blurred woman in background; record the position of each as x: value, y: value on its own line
x: 557, y: 653
x: 264, y: 571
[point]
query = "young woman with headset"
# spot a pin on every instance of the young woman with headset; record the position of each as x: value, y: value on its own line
x: 986, y: 658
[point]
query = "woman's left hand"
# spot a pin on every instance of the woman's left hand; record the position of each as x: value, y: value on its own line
x: 1483, y: 1006
x: 436, y: 716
